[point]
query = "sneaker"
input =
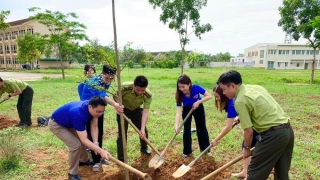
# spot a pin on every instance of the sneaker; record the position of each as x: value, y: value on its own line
x: 88, y: 163
x: 104, y: 161
x: 73, y: 177
x: 96, y: 167
x: 186, y: 155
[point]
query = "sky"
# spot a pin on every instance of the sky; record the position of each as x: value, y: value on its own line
x: 237, y: 24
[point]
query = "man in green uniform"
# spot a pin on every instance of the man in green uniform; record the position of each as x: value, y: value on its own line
x: 17, y: 87
x: 133, y: 96
x: 258, y: 110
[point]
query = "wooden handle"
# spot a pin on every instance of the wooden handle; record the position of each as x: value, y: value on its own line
x: 202, y: 153
x: 175, y: 134
x: 138, y: 131
x: 225, y: 166
x: 126, y: 166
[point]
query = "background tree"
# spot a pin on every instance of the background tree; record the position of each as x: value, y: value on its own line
x: 296, y: 19
x: 63, y: 30
x: 193, y: 59
x: 31, y: 47
x: 3, y: 17
x: 178, y: 13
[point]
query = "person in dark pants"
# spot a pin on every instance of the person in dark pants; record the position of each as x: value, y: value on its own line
x: 97, y: 86
x: 259, y: 111
x: 189, y: 95
x: 133, y: 96
x: 17, y: 87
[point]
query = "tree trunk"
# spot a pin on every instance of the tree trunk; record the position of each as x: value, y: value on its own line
x: 182, y: 60
x: 61, y: 63
x: 312, y: 66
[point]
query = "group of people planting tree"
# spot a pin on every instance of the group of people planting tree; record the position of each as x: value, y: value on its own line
x: 79, y: 124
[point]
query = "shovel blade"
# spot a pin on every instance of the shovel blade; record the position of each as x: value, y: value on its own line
x: 181, y: 171
x: 156, y: 161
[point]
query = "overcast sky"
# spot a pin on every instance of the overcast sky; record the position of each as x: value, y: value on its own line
x: 237, y: 24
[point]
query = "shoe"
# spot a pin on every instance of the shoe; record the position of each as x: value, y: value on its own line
x: 186, y: 155
x: 73, y: 177
x: 104, y: 161
x: 88, y: 163
x: 19, y: 125
x: 145, y: 151
x: 96, y: 167
x: 209, y: 154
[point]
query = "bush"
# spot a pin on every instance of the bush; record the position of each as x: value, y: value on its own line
x: 11, y: 148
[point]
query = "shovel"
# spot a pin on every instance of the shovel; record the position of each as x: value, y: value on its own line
x: 137, y: 130
x: 2, y: 101
x: 184, y: 169
x: 217, y: 171
x: 131, y: 169
x: 158, y: 160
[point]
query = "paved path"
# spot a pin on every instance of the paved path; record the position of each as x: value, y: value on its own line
x: 25, y: 76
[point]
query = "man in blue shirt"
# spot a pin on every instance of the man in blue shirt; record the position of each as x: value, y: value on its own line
x: 97, y: 86
x: 69, y: 125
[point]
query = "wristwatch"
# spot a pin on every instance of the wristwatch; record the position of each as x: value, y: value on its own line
x: 247, y: 147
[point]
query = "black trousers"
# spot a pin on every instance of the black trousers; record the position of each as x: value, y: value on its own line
x: 135, y: 117
x: 24, y: 106
x: 96, y: 157
x: 202, y: 132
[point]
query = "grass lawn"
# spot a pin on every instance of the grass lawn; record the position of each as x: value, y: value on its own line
x: 289, y: 87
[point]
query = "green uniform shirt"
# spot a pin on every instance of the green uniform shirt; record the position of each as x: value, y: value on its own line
x: 257, y: 108
x: 131, y: 101
x: 12, y: 86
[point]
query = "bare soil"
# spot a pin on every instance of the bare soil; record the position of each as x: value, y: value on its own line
x: 58, y: 169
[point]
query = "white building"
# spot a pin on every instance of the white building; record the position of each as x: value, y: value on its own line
x: 282, y: 56
x: 240, y: 59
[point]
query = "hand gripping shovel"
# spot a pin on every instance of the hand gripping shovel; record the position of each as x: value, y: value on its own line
x: 158, y: 160
x: 184, y: 169
x: 217, y: 171
x: 131, y: 169
x: 138, y: 131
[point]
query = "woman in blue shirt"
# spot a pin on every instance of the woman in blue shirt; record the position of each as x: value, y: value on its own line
x: 223, y: 103
x: 190, y: 96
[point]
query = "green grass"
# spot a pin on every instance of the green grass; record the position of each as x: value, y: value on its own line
x: 301, y: 102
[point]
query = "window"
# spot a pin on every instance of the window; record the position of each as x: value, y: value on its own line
x: 274, y: 51
x: 7, y: 36
x: 307, y: 52
x: 14, y: 48
x: 261, y: 62
x: 249, y: 54
x: 293, y: 52
x: 287, y: 51
x: 302, y: 52
x: 1, y: 36
x: 7, y: 49
x: 261, y: 54
x: 280, y: 51
x: 14, y: 34
x: 311, y: 52
x: 317, y: 52
x: 279, y: 64
x: 1, y: 61
x: 256, y: 53
x: 22, y: 32
x: 30, y: 31
x: 1, y: 50
x: 298, y: 64
x: 285, y: 64
x: 8, y: 61
x: 298, y: 52
x: 15, y: 61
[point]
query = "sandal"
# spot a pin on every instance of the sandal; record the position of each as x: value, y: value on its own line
x: 96, y: 167
x: 104, y: 161
x: 186, y: 155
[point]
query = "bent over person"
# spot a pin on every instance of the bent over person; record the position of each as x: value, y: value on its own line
x: 68, y: 123
x: 19, y: 88
x: 133, y: 96
x: 259, y: 111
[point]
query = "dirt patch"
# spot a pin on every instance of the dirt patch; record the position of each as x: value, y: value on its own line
x: 5, y: 122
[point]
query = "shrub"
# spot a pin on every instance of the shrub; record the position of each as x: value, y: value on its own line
x: 11, y: 148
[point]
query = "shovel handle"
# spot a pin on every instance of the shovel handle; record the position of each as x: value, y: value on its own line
x: 138, y: 131
x: 217, y: 171
x: 2, y: 101
x: 201, y: 154
x: 175, y: 134
x: 126, y: 166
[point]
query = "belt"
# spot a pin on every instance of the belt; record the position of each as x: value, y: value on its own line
x: 273, y: 128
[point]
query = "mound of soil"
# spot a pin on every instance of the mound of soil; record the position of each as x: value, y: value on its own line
x: 5, y: 122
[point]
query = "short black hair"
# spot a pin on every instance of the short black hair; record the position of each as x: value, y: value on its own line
x: 141, y: 81
x: 106, y: 69
x: 228, y: 77
x: 1, y: 80
x: 96, y: 101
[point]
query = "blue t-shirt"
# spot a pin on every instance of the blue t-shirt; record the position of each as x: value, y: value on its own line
x: 231, y: 111
x: 73, y: 115
x: 89, y: 90
x: 195, y: 92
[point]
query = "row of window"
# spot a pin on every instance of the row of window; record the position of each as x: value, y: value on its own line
x: 7, y: 49
x: 9, y: 61
x: 14, y: 34
x: 293, y: 52
x: 253, y: 53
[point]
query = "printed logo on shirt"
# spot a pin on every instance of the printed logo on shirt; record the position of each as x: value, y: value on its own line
x: 196, y: 96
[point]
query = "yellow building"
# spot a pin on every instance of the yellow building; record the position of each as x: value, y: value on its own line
x: 9, y: 48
